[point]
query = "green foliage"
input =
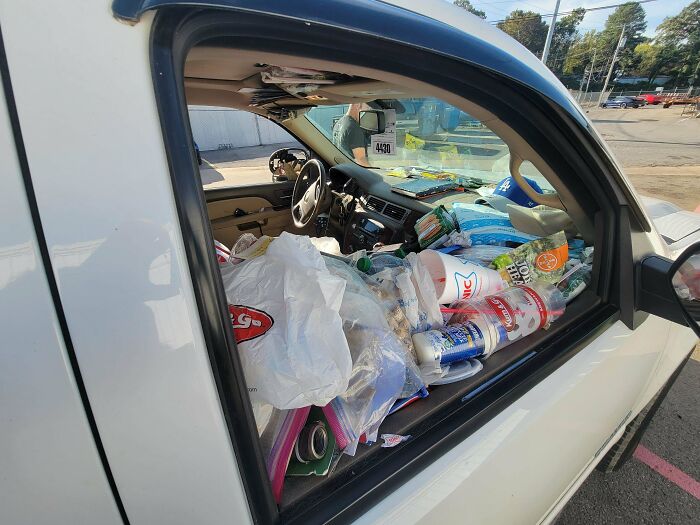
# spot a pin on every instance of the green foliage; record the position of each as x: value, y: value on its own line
x: 565, y: 35
x: 632, y: 16
x: 681, y: 33
x: 581, y: 53
x: 466, y: 4
x: 528, y: 28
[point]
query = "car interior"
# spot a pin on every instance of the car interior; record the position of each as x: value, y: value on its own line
x: 321, y: 191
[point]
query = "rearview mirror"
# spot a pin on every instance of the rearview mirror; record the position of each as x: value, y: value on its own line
x: 372, y: 121
x: 671, y: 289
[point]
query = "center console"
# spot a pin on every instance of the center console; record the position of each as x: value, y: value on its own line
x: 364, y: 231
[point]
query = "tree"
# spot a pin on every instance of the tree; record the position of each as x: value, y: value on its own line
x: 527, y: 28
x: 581, y: 53
x: 682, y: 32
x: 466, y: 4
x: 565, y: 34
x: 655, y: 58
x: 631, y: 15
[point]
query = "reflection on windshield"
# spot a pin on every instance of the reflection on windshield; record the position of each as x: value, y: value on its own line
x: 421, y: 137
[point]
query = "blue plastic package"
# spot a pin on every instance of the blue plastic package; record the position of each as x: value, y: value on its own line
x: 499, y: 236
x: 472, y: 216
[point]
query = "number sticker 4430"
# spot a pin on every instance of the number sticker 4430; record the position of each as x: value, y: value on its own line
x: 383, y: 148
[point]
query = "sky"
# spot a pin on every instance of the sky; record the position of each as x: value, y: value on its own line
x: 656, y: 11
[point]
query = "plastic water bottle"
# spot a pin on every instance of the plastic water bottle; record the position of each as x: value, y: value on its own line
x: 383, y: 260
x: 483, y: 326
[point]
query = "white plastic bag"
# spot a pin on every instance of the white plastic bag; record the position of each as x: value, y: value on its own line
x: 284, y: 309
x: 430, y: 316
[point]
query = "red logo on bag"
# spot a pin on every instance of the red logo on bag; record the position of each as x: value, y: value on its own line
x: 503, y: 310
x: 248, y: 323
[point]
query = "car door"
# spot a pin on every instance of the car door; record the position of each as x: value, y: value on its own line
x: 241, y: 195
x: 97, y: 164
x: 54, y: 468
x: 598, y: 372
x: 137, y: 280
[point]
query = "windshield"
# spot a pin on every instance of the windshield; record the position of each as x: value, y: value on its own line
x: 418, y: 137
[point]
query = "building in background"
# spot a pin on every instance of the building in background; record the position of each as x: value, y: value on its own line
x: 215, y: 128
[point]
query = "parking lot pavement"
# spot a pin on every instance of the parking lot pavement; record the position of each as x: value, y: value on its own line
x: 650, y: 135
x: 638, y: 493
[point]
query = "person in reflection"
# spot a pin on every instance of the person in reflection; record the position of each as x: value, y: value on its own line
x: 349, y: 137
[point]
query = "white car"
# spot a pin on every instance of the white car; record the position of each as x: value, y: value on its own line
x: 123, y: 397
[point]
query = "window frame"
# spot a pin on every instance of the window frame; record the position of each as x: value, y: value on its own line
x: 175, y: 30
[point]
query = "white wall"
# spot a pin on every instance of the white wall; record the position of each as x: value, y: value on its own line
x: 222, y: 128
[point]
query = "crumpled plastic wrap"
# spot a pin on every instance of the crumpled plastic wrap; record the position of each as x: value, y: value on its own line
x: 284, y: 308
x: 382, y: 364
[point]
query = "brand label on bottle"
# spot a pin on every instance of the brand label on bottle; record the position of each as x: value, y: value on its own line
x: 539, y: 303
x: 461, y: 342
x: 503, y: 310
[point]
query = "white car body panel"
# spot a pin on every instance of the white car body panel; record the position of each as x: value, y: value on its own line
x: 50, y: 469
x: 517, y: 466
x: 102, y: 183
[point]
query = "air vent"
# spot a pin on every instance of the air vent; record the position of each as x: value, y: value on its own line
x: 395, y: 212
x: 376, y: 204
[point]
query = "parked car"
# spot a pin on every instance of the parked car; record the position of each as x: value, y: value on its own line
x: 124, y: 393
x: 622, y: 102
x: 651, y: 98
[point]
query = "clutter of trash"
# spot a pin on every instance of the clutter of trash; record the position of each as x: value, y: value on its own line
x: 331, y: 344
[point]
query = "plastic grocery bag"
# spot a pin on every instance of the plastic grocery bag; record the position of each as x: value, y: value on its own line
x: 284, y: 309
x: 382, y: 365
x: 415, y: 291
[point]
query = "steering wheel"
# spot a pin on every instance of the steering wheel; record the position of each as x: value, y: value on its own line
x: 308, y: 193
x: 285, y: 163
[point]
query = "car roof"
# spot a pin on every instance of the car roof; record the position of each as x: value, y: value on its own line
x: 435, y: 25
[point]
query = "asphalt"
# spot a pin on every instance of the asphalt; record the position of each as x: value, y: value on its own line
x: 636, y: 494
x: 650, y: 135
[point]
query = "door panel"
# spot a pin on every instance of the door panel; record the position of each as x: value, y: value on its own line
x: 266, y: 207
x: 529, y: 454
x: 116, y: 247
x: 51, y: 468
x: 261, y: 218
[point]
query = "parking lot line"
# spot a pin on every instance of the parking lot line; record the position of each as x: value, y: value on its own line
x: 671, y: 473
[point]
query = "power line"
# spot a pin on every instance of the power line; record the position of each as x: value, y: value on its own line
x: 586, y: 10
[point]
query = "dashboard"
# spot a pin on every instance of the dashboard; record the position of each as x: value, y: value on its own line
x: 364, y: 211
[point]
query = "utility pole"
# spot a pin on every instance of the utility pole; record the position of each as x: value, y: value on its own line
x: 691, y: 84
x: 580, y: 86
x: 590, y: 72
x: 550, y: 33
x: 620, y: 43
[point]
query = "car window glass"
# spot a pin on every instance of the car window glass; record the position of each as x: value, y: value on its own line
x: 429, y: 136
x: 235, y: 146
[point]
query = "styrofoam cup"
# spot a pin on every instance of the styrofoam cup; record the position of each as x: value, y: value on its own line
x: 458, y: 280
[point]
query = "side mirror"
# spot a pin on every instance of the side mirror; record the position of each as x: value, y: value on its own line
x: 671, y: 289
x: 686, y: 284
x: 372, y: 121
